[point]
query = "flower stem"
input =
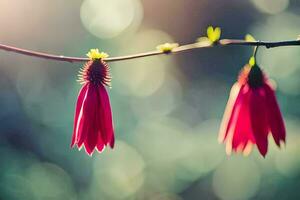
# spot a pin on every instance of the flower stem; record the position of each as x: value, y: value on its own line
x: 182, y: 48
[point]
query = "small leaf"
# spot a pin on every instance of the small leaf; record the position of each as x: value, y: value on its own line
x: 210, y: 31
x: 213, y: 34
x: 250, y: 38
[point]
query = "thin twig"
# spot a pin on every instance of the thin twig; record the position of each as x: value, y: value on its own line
x: 260, y: 43
x: 182, y: 48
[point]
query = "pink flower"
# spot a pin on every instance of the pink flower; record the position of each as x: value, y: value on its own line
x: 93, y: 126
x: 251, y: 114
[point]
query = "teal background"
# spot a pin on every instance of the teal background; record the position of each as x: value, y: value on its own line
x: 166, y: 109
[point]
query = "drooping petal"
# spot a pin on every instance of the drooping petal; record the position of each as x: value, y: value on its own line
x: 106, y: 122
x: 259, y: 120
x: 91, y: 138
x: 82, y: 128
x: 275, y: 119
x: 87, y: 116
x: 232, y: 126
x: 101, y: 117
x: 90, y: 141
x: 81, y: 98
x: 100, y: 144
x: 229, y: 112
x: 240, y: 132
x: 243, y: 133
x: 87, y: 148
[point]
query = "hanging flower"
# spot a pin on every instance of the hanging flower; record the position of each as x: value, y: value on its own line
x: 251, y: 113
x: 93, y: 126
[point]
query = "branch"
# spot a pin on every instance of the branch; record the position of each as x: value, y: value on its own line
x: 187, y: 47
x: 268, y: 45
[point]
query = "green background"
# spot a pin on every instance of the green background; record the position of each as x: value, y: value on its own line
x: 166, y: 109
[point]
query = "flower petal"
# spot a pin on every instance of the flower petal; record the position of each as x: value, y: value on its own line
x: 106, y: 122
x: 91, y: 111
x: 275, y: 119
x: 87, y: 125
x: 229, y: 112
x: 259, y: 120
x: 100, y: 144
x: 243, y: 134
x: 87, y: 148
x: 82, y: 130
x: 81, y: 98
x: 91, y: 138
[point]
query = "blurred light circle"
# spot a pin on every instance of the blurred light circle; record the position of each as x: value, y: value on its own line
x: 119, y: 173
x: 276, y: 28
x: 160, y: 140
x: 291, y: 85
x: 287, y: 161
x: 163, y: 143
x: 108, y: 18
x: 143, y: 77
x: 271, y: 6
x: 202, y: 153
x: 237, y: 178
x: 41, y: 100
x: 32, y: 90
x: 288, y: 164
x: 280, y: 63
x: 49, y: 181
x: 161, y: 103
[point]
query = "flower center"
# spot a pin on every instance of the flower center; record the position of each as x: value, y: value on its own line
x: 95, y: 72
x: 255, y: 77
x: 251, y: 75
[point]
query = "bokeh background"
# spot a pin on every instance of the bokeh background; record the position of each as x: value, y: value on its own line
x: 167, y: 109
